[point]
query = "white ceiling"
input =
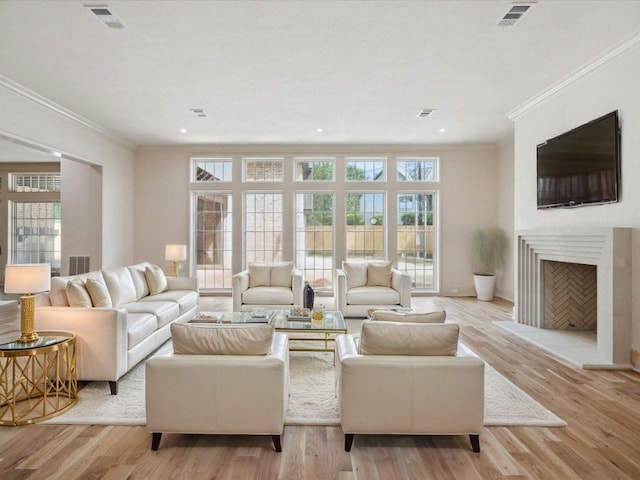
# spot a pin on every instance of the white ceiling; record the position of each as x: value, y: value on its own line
x: 276, y: 71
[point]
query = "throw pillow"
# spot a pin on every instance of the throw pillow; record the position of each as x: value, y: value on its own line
x: 77, y: 295
x: 356, y: 273
x: 155, y: 279
x: 412, y: 317
x: 259, y: 275
x: 396, y: 338
x: 281, y: 274
x: 379, y: 274
x: 98, y: 293
x: 233, y: 339
x: 139, y: 280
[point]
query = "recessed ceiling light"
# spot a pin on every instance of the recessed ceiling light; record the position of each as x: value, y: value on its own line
x: 442, y: 130
x: 183, y: 130
x: 319, y: 130
x: 57, y: 154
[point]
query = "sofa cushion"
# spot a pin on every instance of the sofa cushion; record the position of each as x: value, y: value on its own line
x: 379, y: 274
x: 165, y: 312
x: 77, y: 294
x: 399, y: 338
x: 268, y: 296
x: 120, y: 286
x: 98, y: 293
x: 139, y: 327
x: 156, y: 279
x: 248, y: 339
x: 58, y: 291
x: 356, y: 273
x: 369, y: 295
x: 139, y: 279
x: 281, y: 274
x: 412, y: 317
x: 259, y: 275
x: 186, y: 299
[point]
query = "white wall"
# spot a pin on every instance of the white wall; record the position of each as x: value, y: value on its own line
x: 468, y: 198
x: 506, y: 281
x: 28, y: 117
x: 613, y: 86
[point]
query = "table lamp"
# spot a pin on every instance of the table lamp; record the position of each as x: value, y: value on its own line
x: 27, y: 279
x: 175, y: 254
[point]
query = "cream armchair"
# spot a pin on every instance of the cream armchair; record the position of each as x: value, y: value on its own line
x: 361, y: 286
x: 275, y: 286
x: 409, y: 379
x: 240, y: 388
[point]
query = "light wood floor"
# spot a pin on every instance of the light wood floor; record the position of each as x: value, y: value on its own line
x: 601, y: 441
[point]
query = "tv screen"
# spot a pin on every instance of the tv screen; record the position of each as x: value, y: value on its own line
x: 582, y: 166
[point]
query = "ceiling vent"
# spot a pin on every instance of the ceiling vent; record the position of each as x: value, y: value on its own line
x: 426, y: 112
x: 105, y: 16
x: 513, y: 15
x: 199, y: 112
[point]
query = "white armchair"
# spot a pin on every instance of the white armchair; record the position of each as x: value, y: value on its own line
x: 361, y: 286
x: 275, y: 286
x: 245, y: 392
x: 409, y: 379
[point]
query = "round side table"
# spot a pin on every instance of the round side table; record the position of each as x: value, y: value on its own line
x: 38, y: 380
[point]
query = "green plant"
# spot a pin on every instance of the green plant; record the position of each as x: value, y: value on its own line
x: 488, y: 250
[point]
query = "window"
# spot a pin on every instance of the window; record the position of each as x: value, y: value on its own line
x: 35, y: 182
x: 213, y: 239
x: 263, y: 227
x: 417, y: 169
x: 365, y: 169
x: 365, y: 229
x: 263, y: 169
x: 212, y: 170
x: 36, y: 237
x: 315, y: 238
x: 314, y: 169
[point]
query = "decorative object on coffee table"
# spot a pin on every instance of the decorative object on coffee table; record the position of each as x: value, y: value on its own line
x: 175, y: 254
x: 308, y: 296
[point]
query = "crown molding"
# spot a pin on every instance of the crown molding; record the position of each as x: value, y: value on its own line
x: 32, y: 96
x: 583, y: 71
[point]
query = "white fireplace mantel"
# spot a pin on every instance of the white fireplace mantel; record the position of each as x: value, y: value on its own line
x: 609, y: 249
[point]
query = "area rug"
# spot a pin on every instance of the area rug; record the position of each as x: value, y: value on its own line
x: 312, y: 400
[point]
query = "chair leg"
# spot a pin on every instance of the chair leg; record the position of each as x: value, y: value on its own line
x: 276, y: 442
x: 155, y: 440
x: 348, y: 441
x: 475, y: 442
x: 113, y: 386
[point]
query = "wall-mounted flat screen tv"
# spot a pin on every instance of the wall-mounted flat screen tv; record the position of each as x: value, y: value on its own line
x: 582, y: 166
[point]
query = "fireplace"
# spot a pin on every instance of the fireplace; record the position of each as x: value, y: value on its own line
x: 608, y: 254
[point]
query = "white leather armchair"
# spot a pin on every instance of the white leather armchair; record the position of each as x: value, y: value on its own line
x: 409, y: 394
x: 219, y: 394
x: 355, y: 293
x: 276, y: 286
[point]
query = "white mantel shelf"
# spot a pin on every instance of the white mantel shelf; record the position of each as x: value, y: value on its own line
x: 609, y: 249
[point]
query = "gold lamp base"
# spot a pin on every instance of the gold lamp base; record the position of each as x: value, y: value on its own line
x: 176, y: 266
x: 27, y: 319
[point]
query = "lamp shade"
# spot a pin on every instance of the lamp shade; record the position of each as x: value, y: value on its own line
x: 27, y: 278
x: 175, y: 253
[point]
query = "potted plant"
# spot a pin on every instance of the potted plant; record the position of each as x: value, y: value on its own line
x: 488, y: 250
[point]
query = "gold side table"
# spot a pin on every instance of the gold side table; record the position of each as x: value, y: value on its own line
x: 38, y: 380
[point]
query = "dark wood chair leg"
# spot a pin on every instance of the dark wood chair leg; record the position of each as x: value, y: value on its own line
x: 348, y: 441
x: 155, y: 440
x: 475, y: 442
x: 114, y: 387
x: 276, y: 442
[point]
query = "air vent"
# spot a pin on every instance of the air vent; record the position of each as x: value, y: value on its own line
x: 199, y: 112
x: 513, y: 15
x: 426, y: 112
x: 105, y: 16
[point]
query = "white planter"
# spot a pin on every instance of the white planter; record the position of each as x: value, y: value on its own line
x: 485, y: 286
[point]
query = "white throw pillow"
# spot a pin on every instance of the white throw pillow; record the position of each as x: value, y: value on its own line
x: 356, y: 273
x: 98, y: 293
x: 155, y: 279
x: 77, y: 295
x: 259, y: 275
x: 281, y: 274
x: 398, y: 338
x: 231, y: 339
x: 411, y: 317
x: 379, y: 274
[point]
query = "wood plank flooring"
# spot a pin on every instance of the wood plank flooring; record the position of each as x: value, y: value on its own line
x: 601, y: 441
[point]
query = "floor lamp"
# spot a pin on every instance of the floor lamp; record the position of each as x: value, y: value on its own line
x: 27, y: 279
x: 175, y: 254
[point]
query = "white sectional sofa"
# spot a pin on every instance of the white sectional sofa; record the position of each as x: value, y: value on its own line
x: 130, y: 323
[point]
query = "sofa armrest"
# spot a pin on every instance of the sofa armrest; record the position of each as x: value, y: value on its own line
x: 401, y: 283
x: 182, y: 283
x: 297, y: 286
x: 340, y: 290
x: 239, y: 283
x: 101, y: 338
x: 346, y: 347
